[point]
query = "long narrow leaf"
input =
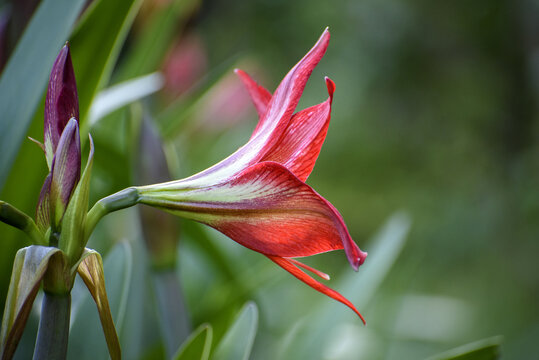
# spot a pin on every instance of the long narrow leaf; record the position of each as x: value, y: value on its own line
x: 486, y: 349
x: 124, y: 93
x: 26, y: 74
x: 197, y: 346
x: 238, y: 340
x: 95, y: 46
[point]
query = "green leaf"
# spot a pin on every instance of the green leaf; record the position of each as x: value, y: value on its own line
x: 155, y: 39
x: 486, y: 349
x: 118, y: 270
x: 29, y: 267
x: 238, y: 340
x: 119, y: 95
x: 24, y: 79
x: 197, y: 346
x: 95, y: 46
x: 91, y: 272
x: 73, y: 239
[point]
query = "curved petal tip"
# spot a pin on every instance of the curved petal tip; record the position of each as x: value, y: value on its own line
x: 357, y: 259
x: 331, y: 87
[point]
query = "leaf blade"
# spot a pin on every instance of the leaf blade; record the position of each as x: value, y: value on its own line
x: 238, y: 340
x: 197, y: 344
x: 485, y: 349
x: 95, y: 46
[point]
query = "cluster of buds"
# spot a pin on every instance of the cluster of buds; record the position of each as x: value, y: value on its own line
x: 58, y: 235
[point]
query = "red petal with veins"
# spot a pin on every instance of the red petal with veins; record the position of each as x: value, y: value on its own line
x: 265, y: 208
x: 287, y: 95
x: 260, y: 96
x: 300, y: 275
x: 302, y: 140
x: 61, y: 103
x: 274, y: 122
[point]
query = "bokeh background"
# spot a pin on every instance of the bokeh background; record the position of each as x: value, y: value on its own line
x: 435, y: 119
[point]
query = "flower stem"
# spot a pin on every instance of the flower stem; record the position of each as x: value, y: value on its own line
x: 173, y: 317
x: 53, y: 330
x: 16, y: 218
x: 117, y: 201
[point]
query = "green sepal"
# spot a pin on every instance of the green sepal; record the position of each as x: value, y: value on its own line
x: 90, y: 270
x: 43, y: 214
x: 197, y: 345
x: 29, y: 268
x: 10, y: 215
x: 73, y: 239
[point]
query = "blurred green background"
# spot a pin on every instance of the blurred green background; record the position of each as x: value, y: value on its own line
x: 435, y: 114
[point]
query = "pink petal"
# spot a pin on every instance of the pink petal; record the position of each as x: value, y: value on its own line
x: 265, y: 208
x: 288, y: 265
x: 260, y: 96
x: 61, y: 102
x: 302, y: 140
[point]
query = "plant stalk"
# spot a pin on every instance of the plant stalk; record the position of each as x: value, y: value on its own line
x: 53, y: 332
x: 12, y: 216
x: 117, y: 201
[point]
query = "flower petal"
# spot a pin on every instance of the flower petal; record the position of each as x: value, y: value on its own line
x: 274, y: 122
x: 61, y: 103
x: 65, y: 171
x: 317, y: 272
x: 260, y: 96
x: 265, y: 208
x: 302, y: 140
x: 289, y: 266
x: 287, y: 95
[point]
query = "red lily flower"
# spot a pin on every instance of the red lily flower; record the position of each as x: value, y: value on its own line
x: 258, y: 196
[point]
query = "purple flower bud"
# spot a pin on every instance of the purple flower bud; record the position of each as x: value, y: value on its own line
x: 65, y: 171
x: 61, y: 103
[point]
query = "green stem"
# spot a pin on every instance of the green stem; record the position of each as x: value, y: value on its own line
x: 173, y: 319
x: 10, y: 215
x: 118, y: 201
x: 53, y: 330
